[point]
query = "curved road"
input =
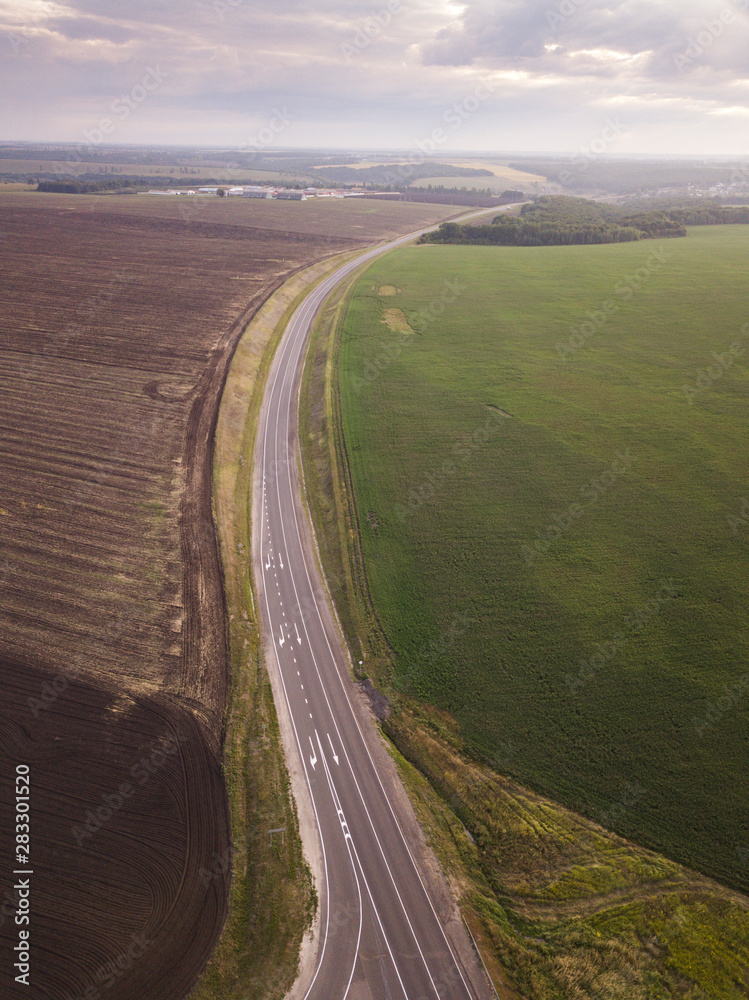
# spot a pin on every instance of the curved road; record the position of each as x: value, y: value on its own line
x: 379, y: 931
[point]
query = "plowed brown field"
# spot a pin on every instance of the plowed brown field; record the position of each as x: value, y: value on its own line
x: 119, y: 318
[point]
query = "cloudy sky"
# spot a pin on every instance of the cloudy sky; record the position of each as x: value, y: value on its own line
x: 671, y: 75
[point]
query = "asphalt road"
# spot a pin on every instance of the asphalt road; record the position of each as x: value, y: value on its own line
x: 380, y: 935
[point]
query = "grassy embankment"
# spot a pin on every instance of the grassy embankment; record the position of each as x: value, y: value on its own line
x: 553, y: 533
x: 272, y: 897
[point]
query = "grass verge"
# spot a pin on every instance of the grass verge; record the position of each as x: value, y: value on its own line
x: 272, y: 896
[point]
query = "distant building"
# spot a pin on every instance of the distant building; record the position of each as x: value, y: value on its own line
x: 291, y: 196
x: 208, y: 190
x: 259, y: 193
x: 235, y: 192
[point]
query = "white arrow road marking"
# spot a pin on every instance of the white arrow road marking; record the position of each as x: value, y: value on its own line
x: 355, y: 857
x: 336, y: 799
x: 335, y: 758
x: 267, y: 565
x: 282, y: 639
x: 298, y: 637
x: 280, y: 559
x: 313, y: 758
x: 344, y: 825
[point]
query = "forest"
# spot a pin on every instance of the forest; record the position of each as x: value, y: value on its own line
x: 559, y: 221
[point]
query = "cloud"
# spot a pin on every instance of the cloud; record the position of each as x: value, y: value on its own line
x: 592, y: 37
x: 90, y: 30
x: 368, y: 72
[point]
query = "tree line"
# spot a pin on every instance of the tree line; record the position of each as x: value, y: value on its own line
x: 559, y: 221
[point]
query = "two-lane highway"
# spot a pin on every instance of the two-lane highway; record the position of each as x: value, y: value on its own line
x: 380, y: 935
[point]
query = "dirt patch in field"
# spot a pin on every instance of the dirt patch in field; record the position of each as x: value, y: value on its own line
x: 396, y: 320
x: 388, y: 291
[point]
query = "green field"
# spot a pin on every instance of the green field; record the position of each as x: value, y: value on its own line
x: 497, y: 184
x: 554, y: 520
